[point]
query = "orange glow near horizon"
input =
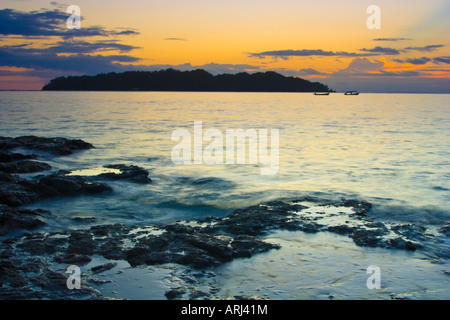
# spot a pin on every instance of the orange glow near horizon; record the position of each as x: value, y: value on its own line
x: 201, y: 32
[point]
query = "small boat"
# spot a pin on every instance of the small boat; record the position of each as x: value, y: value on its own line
x: 321, y: 93
x: 351, y: 93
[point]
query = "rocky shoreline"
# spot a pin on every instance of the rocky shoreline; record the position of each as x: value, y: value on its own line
x: 28, y: 260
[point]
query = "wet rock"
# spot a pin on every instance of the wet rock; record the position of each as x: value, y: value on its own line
x: 308, y: 227
x: 59, y: 184
x: 192, y: 246
x: 248, y: 298
x: 26, y: 166
x: 218, y: 248
x: 175, y: 293
x: 103, y: 267
x: 81, y: 242
x: 7, y: 156
x: 38, y: 244
x: 132, y: 173
x: 198, y: 294
x: 342, y: 229
x: 138, y: 256
x: 369, y: 238
x: 10, y: 274
x: 411, y: 231
x: 112, y: 249
x: 216, y: 241
x: 57, y: 146
x: 398, y: 297
x: 29, y: 277
x: 13, y: 192
x: 8, y: 143
x: 255, y: 220
x: 73, y: 258
x: 247, y: 246
x: 50, y: 280
x: 16, y: 191
x: 33, y: 265
x: 361, y: 208
x: 400, y: 243
x: 13, y: 219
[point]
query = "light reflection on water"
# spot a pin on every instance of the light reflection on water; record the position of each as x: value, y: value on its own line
x: 391, y: 150
x: 389, y: 147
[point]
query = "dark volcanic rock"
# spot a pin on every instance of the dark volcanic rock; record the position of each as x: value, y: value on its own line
x: 26, y: 166
x: 57, y: 146
x: 59, y: 184
x: 39, y: 244
x: 175, y: 293
x: 16, y: 191
x: 81, y: 242
x: 73, y: 258
x: 361, y: 208
x: 369, y: 238
x: 342, y: 229
x: 112, y: 249
x: 13, y: 219
x: 217, y: 241
x: 7, y: 156
x: 103, y: 267
x: 9, y: 274
x: 133, y: 173
x: 13, y: 193
x: 257, y: 220
x: 192, y: 246
x: 31, y: 278
x: 50, y: 280
x: 410, y: 231
x: 400, y: 243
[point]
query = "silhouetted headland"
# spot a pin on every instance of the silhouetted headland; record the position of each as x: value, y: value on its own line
x: 174, y: 80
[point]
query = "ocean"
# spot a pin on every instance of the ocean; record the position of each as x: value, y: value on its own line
x: 391, y: 150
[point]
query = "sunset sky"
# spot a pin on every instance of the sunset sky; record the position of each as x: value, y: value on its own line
x: 321, y: 40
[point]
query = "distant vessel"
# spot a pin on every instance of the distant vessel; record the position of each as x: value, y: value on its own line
x: 321, y: 93
x: 351, y: 93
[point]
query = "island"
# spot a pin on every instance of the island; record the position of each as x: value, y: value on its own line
x: 175, y: 80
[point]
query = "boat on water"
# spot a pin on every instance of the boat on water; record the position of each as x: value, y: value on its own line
x: 321, y: 93
x: 352, y: 93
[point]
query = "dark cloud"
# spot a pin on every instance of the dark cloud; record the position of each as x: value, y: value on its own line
x: 425, y: 60
x: 310, y: 72
x: 416, y: 61
x: 66, y: 56
x: 285, y: 54
x: 74, y: 46
x: 175, y: 39
x: 363, y: 67
x: 391, y: 39
x: 47, y: 23
x: 426, y: 48
x: 48, y: 64
x: 445, y: 60
x: 371, y: 76
x: 382, y: 50
x: 78, y: 63
x: 406, y: 73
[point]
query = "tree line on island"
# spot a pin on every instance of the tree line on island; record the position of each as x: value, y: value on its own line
x: 175, y: 80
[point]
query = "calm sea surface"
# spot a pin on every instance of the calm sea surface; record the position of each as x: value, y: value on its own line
x: 392, y: 150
